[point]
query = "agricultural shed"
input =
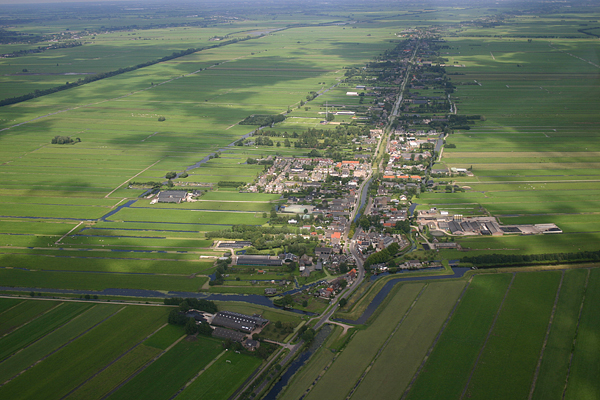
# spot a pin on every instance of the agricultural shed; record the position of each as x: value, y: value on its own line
x: 239, y: 322
x: 172, y: 196
x: 237, y: 244
x: 228, y: 334
x: 197, y: 315
x: 259, y: 260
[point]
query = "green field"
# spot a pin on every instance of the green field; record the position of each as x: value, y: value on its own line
x: 54, y: 340
x: 66, y: 369
x: 516, y: 339
x: 350, y: 364
x: 169, y: 373
x: 79, y: 350
x: 222, y: 378
x: 584, y: 367
x: 393, y: 369
x: 553, y: 369
x: 444, y: 374
x: 38, y: 327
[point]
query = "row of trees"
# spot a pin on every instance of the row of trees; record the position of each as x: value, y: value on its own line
x: 263, y: 120
x: 103, y: 75
x: 506, y: 260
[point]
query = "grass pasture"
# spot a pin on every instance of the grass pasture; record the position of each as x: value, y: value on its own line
x: 444, y: 374
x: 584, y: 365
x: 393, y: 370
x: 39, y: 327
x: 554, y: 365
x: 171, y: 372
x: 63, y: 371
x: 343, y: 374
x: 221, y: 379
x: 98, y: 280
x: 22, y: 313
x: 54, y: 340
x: 516, y: 339
x: 48, y: 189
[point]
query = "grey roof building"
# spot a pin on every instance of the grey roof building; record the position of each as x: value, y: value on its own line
x: 228, y: 334
x: 172, y: 196
x: 239, y: 322
x: 259, y: 260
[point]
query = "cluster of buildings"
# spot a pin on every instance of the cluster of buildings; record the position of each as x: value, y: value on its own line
x: 409, y: 156
x: 231, y: 325
x: 438, y: 220
x: 288, y: 174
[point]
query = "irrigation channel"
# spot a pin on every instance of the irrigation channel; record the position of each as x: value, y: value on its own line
x: 248, y: 298
x: 363, y: 199
x: 298, y: 362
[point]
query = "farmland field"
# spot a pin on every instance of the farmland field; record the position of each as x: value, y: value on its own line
x: 453, y: 356
x: 58, y: 197
x: 350, y: 364
x: 392, y: 371
x: 54, y: 378
x: 516, y: 339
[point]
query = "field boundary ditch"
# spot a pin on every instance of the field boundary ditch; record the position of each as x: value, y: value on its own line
x: 539, y: 363
x: 587, y: 279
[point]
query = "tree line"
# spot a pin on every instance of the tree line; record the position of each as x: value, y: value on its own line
x: 507, y: 260
x: 109, y: 74
x: 263, y: 120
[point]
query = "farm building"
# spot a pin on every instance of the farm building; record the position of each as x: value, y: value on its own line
x: 197, y: 315
x: 238, y: 322
x: 172, y: 196
x: 267, y: 261
x: 234, y: 244
x: 228, y: 334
